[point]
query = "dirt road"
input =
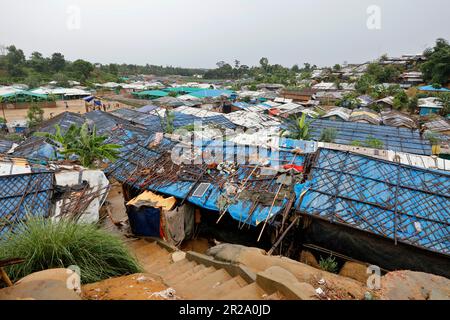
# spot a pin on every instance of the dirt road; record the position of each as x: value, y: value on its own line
x: 76, y: 106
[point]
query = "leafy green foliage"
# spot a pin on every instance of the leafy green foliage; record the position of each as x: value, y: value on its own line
x: 45, y: 243
x: 382, y: 73
x: 82, y: 69
x: 328, y: 264
x: 349, y: 100
x: 298, y: 128
x: 432, y: 137
x: 84, y: 143
x: 381, y: 91
x: 328, y: 135
x: 166, y: 121
x: 14, y: 67
x: 413, y: 103
x: 14, y: 62
x: 356, y: 143
x: 365, y: 84
x: 437, y: 67
x: 445, y: 99
x: 372, y: 142
x: 401, y: 100
x: 35, y: 115
x: 264, y: 73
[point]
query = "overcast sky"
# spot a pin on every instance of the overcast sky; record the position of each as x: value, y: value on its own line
x: 198, y: 33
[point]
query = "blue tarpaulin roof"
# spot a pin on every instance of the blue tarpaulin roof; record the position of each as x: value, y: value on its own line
x: 147, y: 108
x: 404, y: 203
x: 89, y: 98
x: 393, y: 138
x: 211, y: 93
x: 153, y: 122
x: 24, y: 194
x: 431, y: 88
x: 130, y: 167
x: 5, y: 146
x: 241, y: 105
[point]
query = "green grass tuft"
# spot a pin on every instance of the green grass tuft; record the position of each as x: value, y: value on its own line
x: 45, y: 244
x: 328, y: 264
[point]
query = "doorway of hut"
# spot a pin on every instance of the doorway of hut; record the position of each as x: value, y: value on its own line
x: 201, y: 229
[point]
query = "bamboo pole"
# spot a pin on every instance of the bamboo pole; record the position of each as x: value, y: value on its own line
x: 237, y: 197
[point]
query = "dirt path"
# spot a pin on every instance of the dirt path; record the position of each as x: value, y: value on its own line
x: 76, y: 106
x: 139, y: 286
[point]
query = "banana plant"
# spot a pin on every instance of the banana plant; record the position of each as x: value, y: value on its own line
x: 87, y: 145
x: 298, y: 128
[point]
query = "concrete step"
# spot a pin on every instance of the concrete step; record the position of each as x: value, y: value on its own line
x: 173, y: 267
x: 206, y: 284
x: 187, y: 282
x: 274, y: 296
x: 180, y: 270
x: 249, y: 292
x: 151, y: 258
x: 150, y: 249
x: 157, y: 266
x: 137, y: 243
x: 231, y: 285
x: 185, y: 275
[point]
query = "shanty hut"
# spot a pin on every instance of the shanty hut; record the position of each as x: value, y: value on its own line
x: 397, y: 119
x: 429, y: 105
x: 385, y: 104
x: 390, y: 214
x: 392, y: 138
x: 338, y: 114
x: 364, y: 115
x: 440, y: 126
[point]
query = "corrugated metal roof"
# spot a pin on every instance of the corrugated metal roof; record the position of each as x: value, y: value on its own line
x: 438, y: 125
x: 249, y: 119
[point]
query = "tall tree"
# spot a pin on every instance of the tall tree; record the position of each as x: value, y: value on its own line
x: 38, y: 63
x: 82, y: 69
x: 15, y: 61
x: 57, y: 62
x: 437, y: 67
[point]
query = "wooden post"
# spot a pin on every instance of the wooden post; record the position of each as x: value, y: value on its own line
x: 5, y: 277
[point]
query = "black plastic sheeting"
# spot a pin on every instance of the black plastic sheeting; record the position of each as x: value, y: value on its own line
x: 374, y: 249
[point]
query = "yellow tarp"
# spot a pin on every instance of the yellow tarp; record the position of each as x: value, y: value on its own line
x: 148, y: 198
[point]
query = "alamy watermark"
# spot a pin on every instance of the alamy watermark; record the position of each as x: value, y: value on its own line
x: 73, y: 281
x: 73, y: 21
x: 374, y: 17
x: 208, y: 146
x: 374, y: 280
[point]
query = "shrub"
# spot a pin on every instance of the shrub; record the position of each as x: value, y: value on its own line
x: 432, y: 137
x: 44, y: 244
x: 329, y: 264
x: 35, y: 115
x: 356, y: 143
x: 372, y: 142
x: 328, y: 135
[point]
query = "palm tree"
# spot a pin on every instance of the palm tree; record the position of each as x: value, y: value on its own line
x: 298, y: 128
